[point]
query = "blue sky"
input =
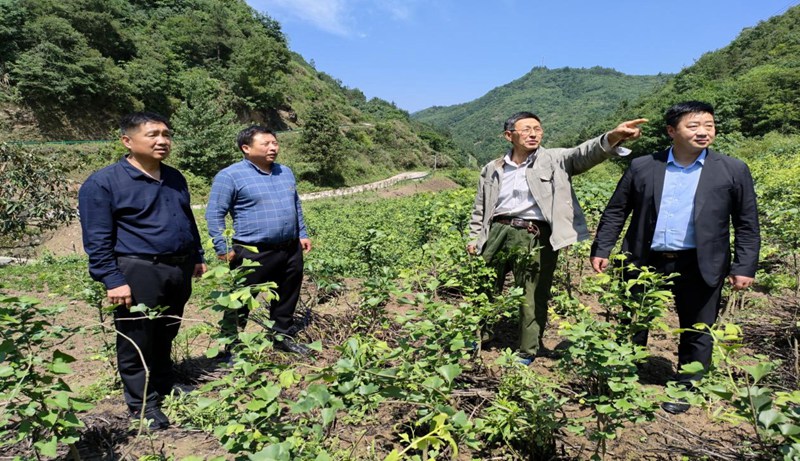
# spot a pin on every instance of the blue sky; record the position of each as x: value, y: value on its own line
x: 421, y: 53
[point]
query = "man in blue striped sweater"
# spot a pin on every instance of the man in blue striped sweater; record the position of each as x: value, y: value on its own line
x: 261, y: 197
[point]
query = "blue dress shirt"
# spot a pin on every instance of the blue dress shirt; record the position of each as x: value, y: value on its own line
x: 124, y: 211
x: 264, y: 206
x: 675, y: 224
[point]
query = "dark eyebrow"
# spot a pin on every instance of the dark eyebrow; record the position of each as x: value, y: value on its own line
x: 151, y: 132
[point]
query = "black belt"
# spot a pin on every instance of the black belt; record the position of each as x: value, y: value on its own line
x: 677, y: 254
x: 519, y: 223
x: 270, y: 246
x: 172, y: 260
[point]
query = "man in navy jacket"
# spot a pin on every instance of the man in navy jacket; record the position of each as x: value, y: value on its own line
x: 143, y: 245
x: 683, y: 201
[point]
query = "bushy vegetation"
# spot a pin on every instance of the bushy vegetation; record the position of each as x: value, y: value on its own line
x: 400, y: 339
x: 566, y: 99
x: 213, y: 66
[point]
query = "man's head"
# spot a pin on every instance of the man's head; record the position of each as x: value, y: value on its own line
x: 691, y: 126
x: 146, y: 135
x: 258, y: 144
x: 524, y: 131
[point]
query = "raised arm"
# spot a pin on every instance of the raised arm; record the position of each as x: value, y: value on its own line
x: 594, y: 151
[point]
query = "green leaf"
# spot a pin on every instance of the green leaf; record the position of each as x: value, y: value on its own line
x: 62, y: 357
x: 48, y: 447
x: 205, y: 402
x: 449, y: 372
x: 770, y: 417
x: 139, y: 308
x: 789, y: 430
x: 257, y: 404
x: 60, y: 400
x: 328, y: 415
x: 248, y: 368
x: 759, y: 370
x: 393, y: 456
x: 720, y: 391
x: 692, y: 368
x: 212, y: 352
x: 287, y: 378
x: 315, y: 346
x: 368, y: 389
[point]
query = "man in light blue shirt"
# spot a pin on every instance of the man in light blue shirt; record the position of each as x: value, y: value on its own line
x: 683, y: 202
x: 675, y: 226
x: 261, y: 197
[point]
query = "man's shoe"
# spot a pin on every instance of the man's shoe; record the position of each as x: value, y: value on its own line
x: 157, y: 419
x: 548, y: 354
x: 288, y: 345
x: 675, y: 408
x: 182, y: 389
x: 525, y: 360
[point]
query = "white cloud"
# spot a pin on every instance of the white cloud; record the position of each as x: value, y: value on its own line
x: 398, y: 9
x: 339, y: 17
x: 328, y: 15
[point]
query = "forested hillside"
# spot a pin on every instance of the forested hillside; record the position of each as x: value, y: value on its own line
x: 567, y: 99
x: 754, y: 84
x: 69, y: 69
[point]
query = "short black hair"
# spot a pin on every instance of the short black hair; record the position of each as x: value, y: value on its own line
x: 674, y: 114
x: 245, y: 137
x: 134, y: 120
x: 509, y: 125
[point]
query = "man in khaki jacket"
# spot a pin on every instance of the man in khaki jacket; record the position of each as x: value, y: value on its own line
x: 526, y: 210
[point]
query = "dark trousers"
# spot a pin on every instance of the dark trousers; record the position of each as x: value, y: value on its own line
x: 154, y: 285
x: 532, y: 260
x: 696, y: 302
x: 284, y: 266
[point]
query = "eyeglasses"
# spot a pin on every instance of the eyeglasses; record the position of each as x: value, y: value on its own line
x: 528, y: 130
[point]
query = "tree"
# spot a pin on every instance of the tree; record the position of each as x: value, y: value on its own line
x: 205, y: 126
x: 31, y: 201
x: 321, y: 142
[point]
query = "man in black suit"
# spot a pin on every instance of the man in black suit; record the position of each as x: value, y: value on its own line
x: 683, y: 201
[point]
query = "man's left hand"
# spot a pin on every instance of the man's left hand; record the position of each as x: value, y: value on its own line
x: 200, y: 269
x: 625, y: 131
x: 306, y: 244
x: 740, y: 282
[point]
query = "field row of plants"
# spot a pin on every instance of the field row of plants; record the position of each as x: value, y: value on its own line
x: 396, y: 310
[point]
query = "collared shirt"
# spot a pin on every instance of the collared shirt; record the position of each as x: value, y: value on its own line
x: 675, y: 225
x: 264, y: 205
x: 515, y: 197
x: 125, y: 211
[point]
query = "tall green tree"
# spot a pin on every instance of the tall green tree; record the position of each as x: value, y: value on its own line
x: 205, y: 126
x: 321, y: 143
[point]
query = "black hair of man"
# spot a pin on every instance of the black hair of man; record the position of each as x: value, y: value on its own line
x: 674, y: 114
x: 245, y: 137
x: 509, y: 125
x: 134, y: 120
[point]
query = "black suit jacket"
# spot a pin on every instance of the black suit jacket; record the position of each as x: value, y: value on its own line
x: 724, y: 195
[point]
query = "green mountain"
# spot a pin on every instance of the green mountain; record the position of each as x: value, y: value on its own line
x: 753, y: 83
x: 68, y: 70
x: 566, y: 99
